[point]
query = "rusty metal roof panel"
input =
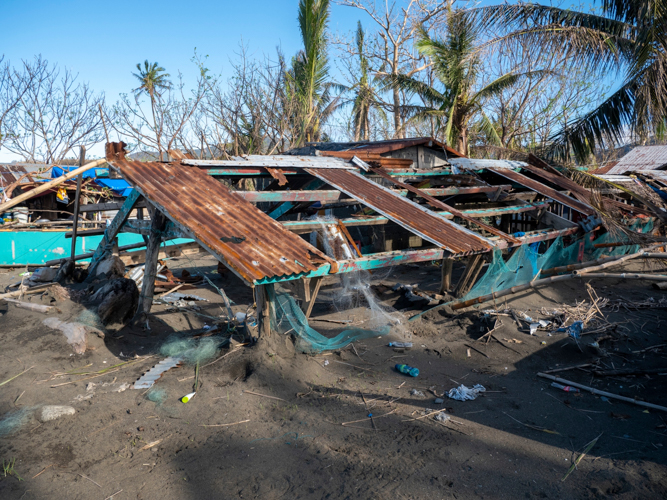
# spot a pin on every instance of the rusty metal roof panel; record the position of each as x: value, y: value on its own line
x: 641, y: 158
x: 248, y: 241
x: 413, y: 217
x: 10, y: 174
x: 544, y: 190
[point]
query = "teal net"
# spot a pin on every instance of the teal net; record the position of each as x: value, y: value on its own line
x: 290, y: 318
x: 525, y: 263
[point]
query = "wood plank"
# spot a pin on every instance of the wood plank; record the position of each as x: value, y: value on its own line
x: 170, y: 251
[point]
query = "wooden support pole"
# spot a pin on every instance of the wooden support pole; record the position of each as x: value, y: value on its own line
x: 473, y: 267
x: 77, y: 201
x: 264, y: 304
x: 311, y: 289
x: 446, y: 272
x: 158, y: 223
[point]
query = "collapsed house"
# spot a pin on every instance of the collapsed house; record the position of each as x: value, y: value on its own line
x: 385, y: 204
x: 334, y: 208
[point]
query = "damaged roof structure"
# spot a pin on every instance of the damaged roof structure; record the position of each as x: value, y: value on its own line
x: 406, y: 201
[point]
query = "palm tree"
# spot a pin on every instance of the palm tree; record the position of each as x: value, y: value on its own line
x: 307, y: 80
x: 457, y: 66
x: 154, y: 81
x: 627, y: 39
x: 364, y: 92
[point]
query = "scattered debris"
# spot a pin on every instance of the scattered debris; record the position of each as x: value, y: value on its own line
x: 75, y: 332
x: 463, y: 393
x: 407, y: 370
x: 588, y: 448
x: 53, y: 412
x: 151, y: 376
x: 415, y: 392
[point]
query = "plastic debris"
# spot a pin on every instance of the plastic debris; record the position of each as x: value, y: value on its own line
x: 439, y: 401
x: 574, y: 330
x: 400, y: 344
x: 442, y: 417
x: 533, y: 328
x: 565, y: 388
x: 407, y: 370
x: 415, y: 392
x: 463, y: 393
x: 188, y: 397
x: 147, y: 380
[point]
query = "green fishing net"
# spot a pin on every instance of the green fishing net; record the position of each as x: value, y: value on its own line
x: 289, y: 316
x: 526, y: 262
x: 192, y: 351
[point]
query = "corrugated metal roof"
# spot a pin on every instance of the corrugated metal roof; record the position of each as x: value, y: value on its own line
x: 658, y: 175
x: 10, y: 174
x: 248, y: 241
x: 375, y: 147
x: 477, y: 164
x: 415, y: 218
x: 545, y: 190
x: 580, y: 192
x: 641, y: 158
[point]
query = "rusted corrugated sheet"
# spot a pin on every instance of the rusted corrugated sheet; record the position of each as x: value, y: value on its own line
x: 641, y: 158
x: 580, y: 192
x: 544, y: 190
x: 252, y: 244
x: 416, y: 219
x: 10, y: 174
x: 381, y: 147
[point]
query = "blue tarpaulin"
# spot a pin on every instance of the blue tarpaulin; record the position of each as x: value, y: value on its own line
x: 119, y: 187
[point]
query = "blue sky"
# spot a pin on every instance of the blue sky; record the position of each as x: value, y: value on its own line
x: 103, y: 41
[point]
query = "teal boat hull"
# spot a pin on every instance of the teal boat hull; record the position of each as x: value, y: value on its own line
x: 38, y: 247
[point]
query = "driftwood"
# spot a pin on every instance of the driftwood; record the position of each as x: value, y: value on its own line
x: 601, y: 393
x: 29, y: 291
x: 29, y: 306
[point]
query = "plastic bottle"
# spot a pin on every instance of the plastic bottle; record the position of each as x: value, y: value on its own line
x: 400, y: 344
x: 407, y: 370
x: 188, y: 397
x: 566, y: 388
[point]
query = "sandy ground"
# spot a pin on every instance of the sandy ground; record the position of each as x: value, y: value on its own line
x: 517, y: 440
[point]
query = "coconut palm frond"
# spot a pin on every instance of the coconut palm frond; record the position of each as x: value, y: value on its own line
x: 489, y: 129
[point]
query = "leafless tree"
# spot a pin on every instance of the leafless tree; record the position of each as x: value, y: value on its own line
x: 158, y: 125
x: 391, y: 48
x: 54, y: 113
x: 250, y: 112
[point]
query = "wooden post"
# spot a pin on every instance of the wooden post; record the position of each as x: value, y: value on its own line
x: 467, y: 280
x: 263, y: 301
x: 446, y: 271
x: 158, y: 223
x: 311, y: 289
x: 111, y: 232
x: 75, y: 222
